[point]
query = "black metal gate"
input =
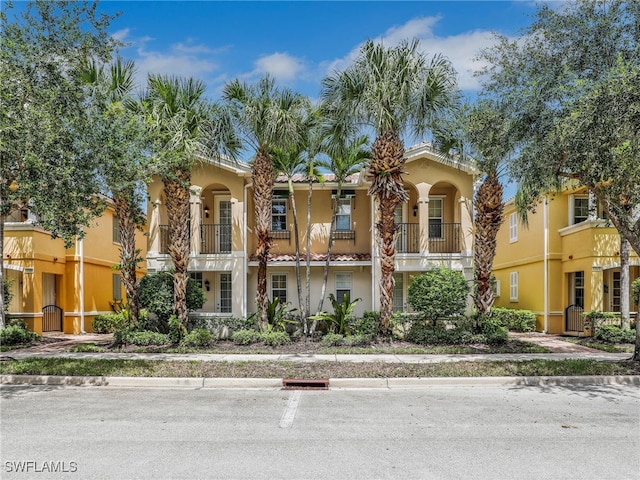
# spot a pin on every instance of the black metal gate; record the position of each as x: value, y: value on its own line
x: 574, y: 321
x: 51, y: 319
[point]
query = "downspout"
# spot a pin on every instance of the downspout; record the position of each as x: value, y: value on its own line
x: 546, y: 265
x: 81, y: 248
x: 246, y: 253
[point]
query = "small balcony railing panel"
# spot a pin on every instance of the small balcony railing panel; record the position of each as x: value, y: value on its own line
x: 216, y: 238
x: 445, y: 238
x: 408, y: 239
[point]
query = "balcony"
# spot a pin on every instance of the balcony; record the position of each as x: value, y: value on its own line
x: 214, y: 238
x: 443, y: 238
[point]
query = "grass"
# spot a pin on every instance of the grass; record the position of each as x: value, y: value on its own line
x: 270, y: 369
x: 606, y: 347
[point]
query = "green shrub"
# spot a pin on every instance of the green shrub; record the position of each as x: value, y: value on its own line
x: 16, y: 335
x: 514, y: 320
x: 341, y: 320
x: 368, y: 324
x: 635, y: 288
x: 426, y: 334
x: 358, y: 340
x: 332, y: 340
x: 275, y: 339
x: 108, y: 322
x: 200, y: 337
x: 614, y: 334
x: 145, y: 337
x: 493, y: 331
x: 246, y: 337
x: 20, y: 322
x: 438, y: 293
x: 156, y: 296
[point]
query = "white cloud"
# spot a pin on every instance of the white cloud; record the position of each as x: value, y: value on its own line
x: 121, y: 35
x: 460, y: 49
x: 281, y: 66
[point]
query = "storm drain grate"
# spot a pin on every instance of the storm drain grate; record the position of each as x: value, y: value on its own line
x: 305, y: 384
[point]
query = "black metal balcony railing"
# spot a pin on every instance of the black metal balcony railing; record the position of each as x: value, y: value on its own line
x: 408, y: 239
x: 443, y: 238
x: 215, y: 238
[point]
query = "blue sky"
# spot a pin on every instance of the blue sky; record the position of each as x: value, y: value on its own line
x: 300, y: 42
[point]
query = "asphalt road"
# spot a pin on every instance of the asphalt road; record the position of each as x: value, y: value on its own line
x: 429, y: 433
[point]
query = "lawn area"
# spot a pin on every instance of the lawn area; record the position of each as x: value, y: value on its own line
x: 274, y: 369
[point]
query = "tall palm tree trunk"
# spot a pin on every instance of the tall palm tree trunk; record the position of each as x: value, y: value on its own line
x: 296, y: 237
x: 128, y: 254
x: 489, y: 217
x: 386, y: 165
x: 307, y: 305
x: 177, y: 203
x: 332, y: 228
x: 262, y: 196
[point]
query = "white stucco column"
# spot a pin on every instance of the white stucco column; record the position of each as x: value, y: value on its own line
x: 466, y: 224
x: 154, y: 227
x: 423, y: 220
x: 195, y: 217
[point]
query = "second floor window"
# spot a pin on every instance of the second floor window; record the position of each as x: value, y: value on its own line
x: 513, y: 227
x: 580, y: 209
x: 435, y: 218
x: 343, y: 215
x: 279, y: 214
x: 117, y: 235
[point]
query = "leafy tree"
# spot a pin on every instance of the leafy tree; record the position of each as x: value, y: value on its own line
x: 439, y: 293
x: 394, y: 90
x: 183, y: 127
x: 120, y: 142
x: 570, y: 89
x: 46, y: 157
x: 265, y: 117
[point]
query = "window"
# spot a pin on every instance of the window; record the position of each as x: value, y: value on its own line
x: 117, y: 287
x: 279, y: 287
x: 398, y: 292
x: 197, y: 276
x: 513, y: 286
x: 497, y: 286
x: 435, y: 217
x: 117, y: 235
x: 224, y: 280
x: 343, y: 215
x: 578, y: 289
x: 513, y: 227
x: 343, y: 286
x: 616, y: 294
x: 580, y: 209
x: 279, y: 214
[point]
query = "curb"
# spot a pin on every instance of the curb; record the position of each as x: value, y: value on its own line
x: 334, y: 383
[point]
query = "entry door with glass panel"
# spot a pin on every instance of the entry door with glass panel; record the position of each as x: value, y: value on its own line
x: 225, y: 296
x: 223, y: 224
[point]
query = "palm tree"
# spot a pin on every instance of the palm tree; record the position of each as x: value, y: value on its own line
x: 345, y: 159
x: 394, y: 91
x: 266, y: 117
x: 120, y: 144
x: 184, y: 126
x: 290, y: 162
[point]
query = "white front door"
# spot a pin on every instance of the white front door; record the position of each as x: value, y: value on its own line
x: 222, y: 218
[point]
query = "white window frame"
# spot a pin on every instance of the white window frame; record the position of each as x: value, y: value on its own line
x: 285, y: 289
x: 343, y: 283
x: 513, y: 286
x: 497, y: 288
x: 572, y: 208
x: 433, y: 200
x: 513, y: 227
x: 220, y: 307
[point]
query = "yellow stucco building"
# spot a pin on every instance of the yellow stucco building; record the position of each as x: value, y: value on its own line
x: 567, y: 261
x: 54, y: 288
x: 435, y: 229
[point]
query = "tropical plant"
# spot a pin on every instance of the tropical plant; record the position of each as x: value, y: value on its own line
x: 183, y: 127
x: 120, y: 140
x: 339, y: 320
x: 394, y: 90
x: 265, y: 117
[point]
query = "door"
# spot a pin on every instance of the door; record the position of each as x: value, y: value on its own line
x: 222, y: 219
